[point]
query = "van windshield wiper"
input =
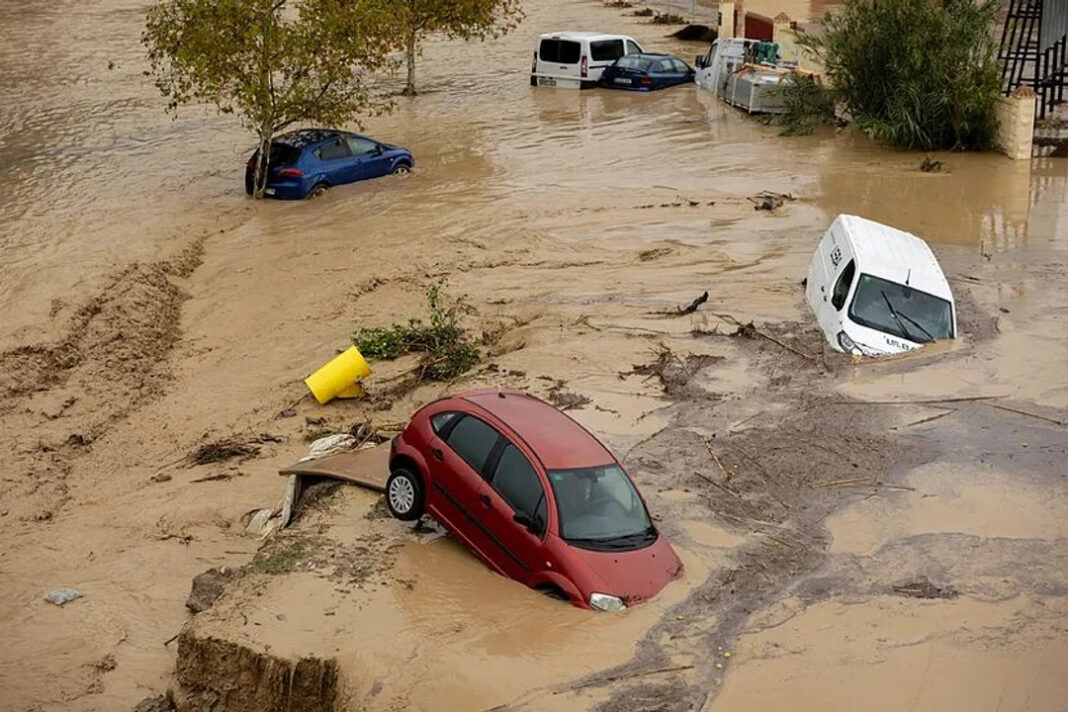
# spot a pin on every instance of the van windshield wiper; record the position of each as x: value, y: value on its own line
x: 897, y: 317
x: 918, y: 325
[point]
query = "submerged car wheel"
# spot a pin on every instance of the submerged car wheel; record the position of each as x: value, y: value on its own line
x: 402, y: 169
x: 319, y: 189
x: 404, y: 495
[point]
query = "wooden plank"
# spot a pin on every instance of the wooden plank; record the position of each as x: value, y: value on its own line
x: 368, y: 467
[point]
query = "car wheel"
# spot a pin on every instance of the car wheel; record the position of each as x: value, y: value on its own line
x: 553, y: 592
x: 404, y: 495
x: 402, y: 169
x: 319, y: 189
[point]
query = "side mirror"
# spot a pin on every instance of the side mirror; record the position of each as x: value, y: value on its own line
x: 522, y: 520
x: 378, y: 149
x: 699, y: 62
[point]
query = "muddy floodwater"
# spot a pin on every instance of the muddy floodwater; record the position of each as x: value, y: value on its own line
x: 857, y: 535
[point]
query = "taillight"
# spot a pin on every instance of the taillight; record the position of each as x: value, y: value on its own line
x: 585, y: 66
x: 534, y: 64
x: 291, y: 173
x: 251, y: 165
x: 647, y: 81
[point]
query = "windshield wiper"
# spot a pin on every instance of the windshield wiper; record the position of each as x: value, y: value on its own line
x: 918, y: 326
x: 897, y: 318
x: 647, y: 534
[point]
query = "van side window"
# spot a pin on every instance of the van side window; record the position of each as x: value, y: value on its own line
x: 569, y: 52
x: 632, y: 48
x: 606, y: 50
x: 841, y: 287
x: 549, y: 51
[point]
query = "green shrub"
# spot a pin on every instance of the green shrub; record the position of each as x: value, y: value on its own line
x: 808, y: 104
x: 915, y: 73
x: 446, y: 350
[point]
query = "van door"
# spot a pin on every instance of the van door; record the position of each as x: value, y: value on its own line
x: 557, y: 60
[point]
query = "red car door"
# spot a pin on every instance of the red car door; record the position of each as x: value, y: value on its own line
x: 512, y: 490
x: 458, y: 453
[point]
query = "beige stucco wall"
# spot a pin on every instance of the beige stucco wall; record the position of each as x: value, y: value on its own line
x: 1016, y: 123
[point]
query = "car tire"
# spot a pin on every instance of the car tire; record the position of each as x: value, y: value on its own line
x: 404, y: 495
x: 318, y: 190
x: 401, y: 169
x: 553, y: 592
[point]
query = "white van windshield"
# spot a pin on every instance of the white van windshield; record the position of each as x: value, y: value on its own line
x: 901, y: 310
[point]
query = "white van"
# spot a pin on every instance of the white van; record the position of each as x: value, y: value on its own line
x: 575, y: 60
x: 876, y: 290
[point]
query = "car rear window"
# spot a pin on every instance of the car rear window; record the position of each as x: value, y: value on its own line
x: 639, y: 63
x: 606, y: 50
x: 560, y: 51
x: 282, y: 154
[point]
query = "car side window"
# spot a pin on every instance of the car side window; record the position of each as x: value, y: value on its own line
x: 633, y: 48
x: 334, y: 150
x: 442, y: 422
x: 665, y: 66
x: 841, y: 287
x: 517, y: 483
x: 473, y: 440
x: 361, y: 146
x: 680, y: 66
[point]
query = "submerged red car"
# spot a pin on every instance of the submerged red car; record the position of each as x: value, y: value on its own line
x: 534, y: 495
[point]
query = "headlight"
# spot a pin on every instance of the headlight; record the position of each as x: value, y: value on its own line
x: 604, y: 602
x: 847, y: 344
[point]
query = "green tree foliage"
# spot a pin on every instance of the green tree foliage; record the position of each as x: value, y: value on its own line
x: 920, y: 74
x: 273, y: 63
x: 465, y: 19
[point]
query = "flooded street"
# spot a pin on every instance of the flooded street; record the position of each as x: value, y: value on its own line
x: 147, y: 306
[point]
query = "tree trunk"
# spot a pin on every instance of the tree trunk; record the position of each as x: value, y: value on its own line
x: 259, y: 180
x: 409, y: 89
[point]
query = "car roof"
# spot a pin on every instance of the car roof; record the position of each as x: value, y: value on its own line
x: 558, y: 441
x: 583, y: 35
x: 894, y: 255
x: 306, y: 137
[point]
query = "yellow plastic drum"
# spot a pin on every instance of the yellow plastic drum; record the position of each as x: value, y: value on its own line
x: 338, y: 379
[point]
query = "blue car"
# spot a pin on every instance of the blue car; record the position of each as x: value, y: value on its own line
x: 306, y: 163
x: 646, y: 71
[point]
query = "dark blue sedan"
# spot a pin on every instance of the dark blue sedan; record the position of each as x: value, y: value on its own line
x: 646, y: 72
x: 308, y: 162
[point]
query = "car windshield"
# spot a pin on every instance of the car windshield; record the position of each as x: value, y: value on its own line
x: 599, y: 504
x: 639, y: 63
x: 901, y: 310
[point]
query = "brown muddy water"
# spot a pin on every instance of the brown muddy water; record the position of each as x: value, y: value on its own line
x: 146, y: 306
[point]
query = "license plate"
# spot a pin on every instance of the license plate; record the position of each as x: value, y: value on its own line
x: 269, y: 191
x: 546, y: 82
x: 621, y: 80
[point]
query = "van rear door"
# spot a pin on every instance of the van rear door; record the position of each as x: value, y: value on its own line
x: 559, y: 58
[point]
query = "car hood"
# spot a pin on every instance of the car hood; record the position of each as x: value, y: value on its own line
x: 634, y: 575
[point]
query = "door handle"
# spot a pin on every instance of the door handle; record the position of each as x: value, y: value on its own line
x: 438, y: 454
x: 485, y: 500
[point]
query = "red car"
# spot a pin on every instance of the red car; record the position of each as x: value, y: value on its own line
x: 532, y: 494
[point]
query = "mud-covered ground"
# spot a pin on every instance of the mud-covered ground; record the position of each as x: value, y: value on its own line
x: 856, y: 535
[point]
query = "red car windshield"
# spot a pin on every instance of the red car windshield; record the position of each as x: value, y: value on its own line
x: 599, y: 504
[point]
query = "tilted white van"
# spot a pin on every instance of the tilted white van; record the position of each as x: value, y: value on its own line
x: 575, y: 60
x: 876, y: 290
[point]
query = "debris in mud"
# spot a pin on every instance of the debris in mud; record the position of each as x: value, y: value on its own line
x: 207, y: 587
x: 622, y: 4
x: 654, y: 254
x: 929, y: 165
x: 446, y: 351
x: 566, y: 400
x: 767, y: 200
x: 63, y: 596
x: 668, y: 18
x: 159, y: 703
x: 691, y: 307
x: 674, y: 372
x: 695, y: 33
x: 229, y: 448
x: 161, y: 477
x: 922, y: 588
x: 644, y: 12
